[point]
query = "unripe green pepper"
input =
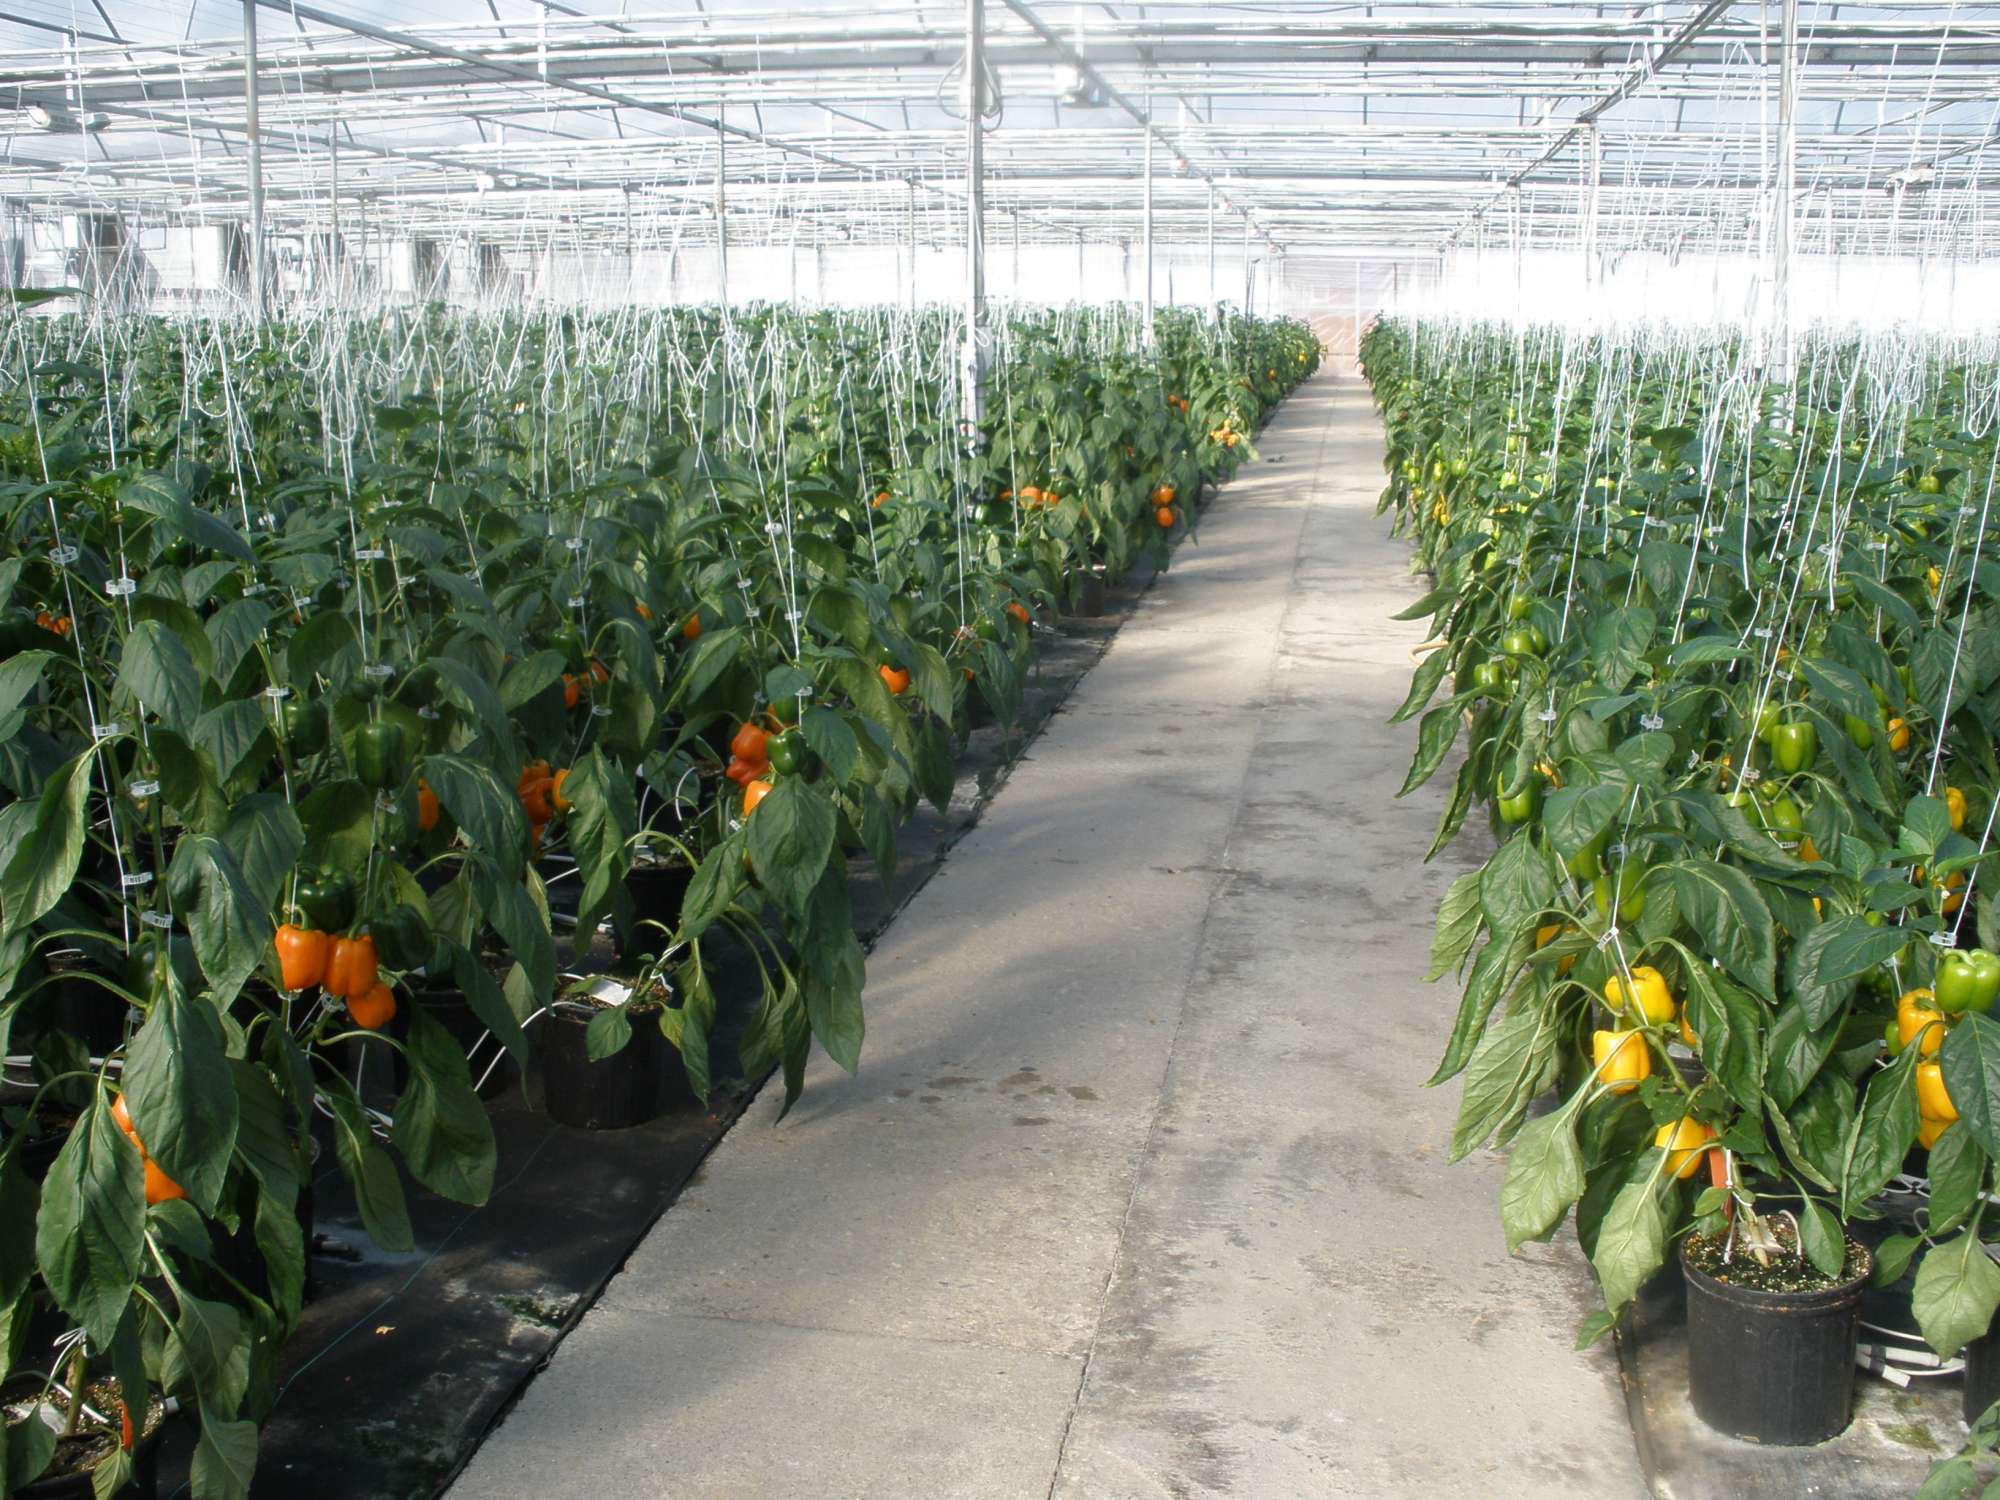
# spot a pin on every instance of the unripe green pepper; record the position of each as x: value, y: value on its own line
x: 381, y: 754
x: 1794, y: 745
x: 1625, y: 890
x: 1588, y: 862
x: 404, y: 938
x: 789, y: 753
x: 325, y: 898
x: 1967, y: 981
x: 1859, y: 730
x: 1521, y: 805
x: 304, y: 721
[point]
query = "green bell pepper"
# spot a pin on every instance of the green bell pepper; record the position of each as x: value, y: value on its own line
x: 381, y: 754
x: 1967, y: 981
x: 1794, y: 745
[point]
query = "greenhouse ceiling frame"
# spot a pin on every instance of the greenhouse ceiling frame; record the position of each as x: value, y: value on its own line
x: 1401, y: 131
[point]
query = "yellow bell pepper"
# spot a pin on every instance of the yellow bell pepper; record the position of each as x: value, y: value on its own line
x: 1933, y: 1099
x: 1686, y: 1142
x: 1647, y: 999
x: 1622, y: 1059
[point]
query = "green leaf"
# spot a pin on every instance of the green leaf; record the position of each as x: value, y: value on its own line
x: 1853, y: 947
x: 27, y: 1448
x: 1882, y: 1133
x: 157, y: 673
x: 20, y: 675
x: 1514, y: 1062
x: 88, y: 1237
x: 790, y: 838
x: 1729, y: 914
x: 931, y: 679
x: 44, y: 862
x: 225, y: 1460
x: 1435, y: 736
x: 441, y: 1127
x: 1430, y: 604
x: 264, y: 835
x: 1519, y: 882
x: 1970, y: 1060
x: 1798, y: 1050
x: 1838, y: 688
x: 833, y: 742
x: 529, y: 678
x: 1705, y: 650
x: 181, y: 1094
x: 607, y: 1033
x: 1820, y: 1234
x: 1818, y: 994
x: 1423, y: 686
x: 1884, y: 598
x: 1730, y: 1024
x: 1632, y: 1242
x: 1458, y: 923
x: 1492, y: 972
x: 487, y: 814
x: 231, y: 922
x: 466, y: 690
x: 1957, y: 1172
x: 161, y: 495
x: 717, y: 882
x: 1574, y: 815
x: 324, y: 646
x: 1957, y: 1291
x: 208, y: 1349
x: 378, y: 1191
x: 1544, y: 1178
x: 603, y: 817
x: 1892, y: 1258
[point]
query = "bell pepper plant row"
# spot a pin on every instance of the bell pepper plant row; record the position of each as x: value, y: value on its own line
x: 327, y: 648
x: 1728, y: 674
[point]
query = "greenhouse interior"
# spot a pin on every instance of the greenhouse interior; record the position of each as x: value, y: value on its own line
x: 1007, y: 546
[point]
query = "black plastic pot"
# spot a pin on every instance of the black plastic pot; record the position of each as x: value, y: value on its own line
x: 1086, y: 593
x: 639, y: 1082
x: 1772, y: 1367
x: 144, y: 1484
x: 1982, y: 1374
x: 657, y: 892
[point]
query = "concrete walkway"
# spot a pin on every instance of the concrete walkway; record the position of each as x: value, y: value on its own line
x: 1137, y: 1193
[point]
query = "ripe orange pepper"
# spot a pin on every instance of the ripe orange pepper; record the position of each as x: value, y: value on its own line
x: 427, y: 807
x: 302, y: 956
x: 895, y: 679
x: 375, y: 1009
x: 535, y: 800
x: 159, y: 1186
x: 351, y: 967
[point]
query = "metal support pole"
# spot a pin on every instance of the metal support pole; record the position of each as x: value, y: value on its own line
x: 972, y: 357
x: 1014, y: 291
x: 1595, y: 167
x: 1079, y: 268
x: 1211, y: 250
x: 257, y: 288
x: 335, y: 259
x: 721, y: 221
x: 911, y: 285
x: 1147, y: 325
x: 1249, y: 268
x: 1787, y: 188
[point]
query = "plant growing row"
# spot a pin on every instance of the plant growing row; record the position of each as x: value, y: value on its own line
x: 1726, y: 666
x: 354, y: 666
